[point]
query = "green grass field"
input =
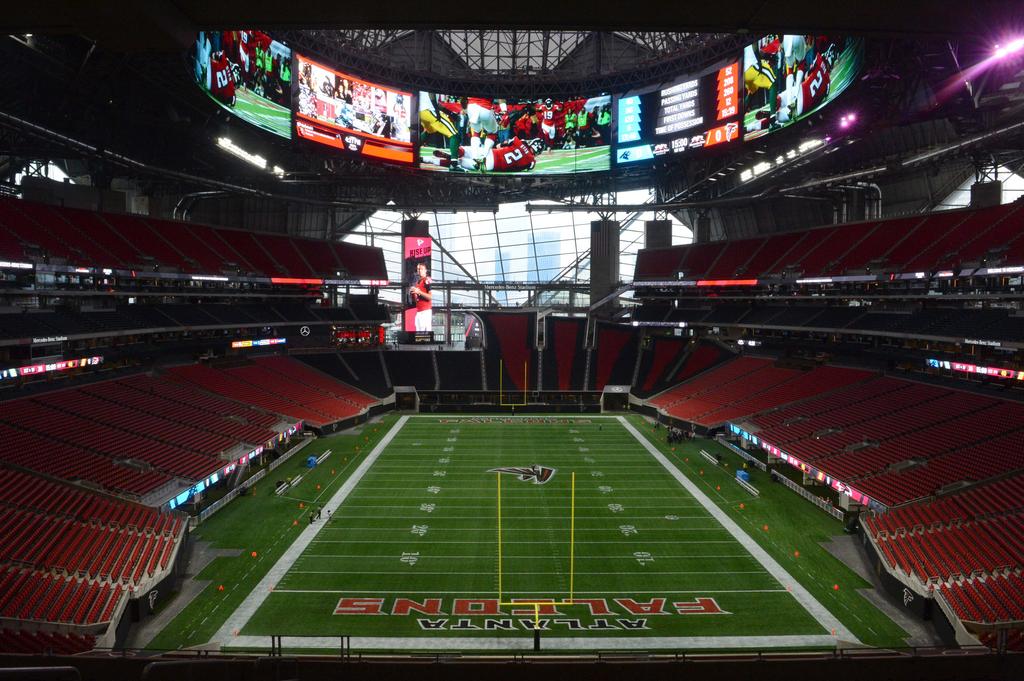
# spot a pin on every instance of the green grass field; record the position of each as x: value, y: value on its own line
x: 261, y: 112
x: 552, y: 161
x: 409, y: 560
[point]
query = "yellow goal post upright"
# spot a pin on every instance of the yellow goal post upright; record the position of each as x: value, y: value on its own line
x: 501, y: 385
x: 536, y: 604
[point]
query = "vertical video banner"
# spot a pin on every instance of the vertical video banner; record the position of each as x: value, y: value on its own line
x: 418, y: 315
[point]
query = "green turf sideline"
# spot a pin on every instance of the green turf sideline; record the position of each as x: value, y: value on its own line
x: 793, y: 532
x: 252, y: 524
x: 802, y: 595
x: 252, y: 602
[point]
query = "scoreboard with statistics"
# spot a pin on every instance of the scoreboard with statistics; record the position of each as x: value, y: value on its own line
x: 679, y: 117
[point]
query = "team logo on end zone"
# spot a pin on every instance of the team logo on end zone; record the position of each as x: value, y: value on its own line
x: 538, y: 474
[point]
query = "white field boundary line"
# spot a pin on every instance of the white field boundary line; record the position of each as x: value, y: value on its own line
x: 801, y: 594
x: 525, y: 642
x: 258, y: 595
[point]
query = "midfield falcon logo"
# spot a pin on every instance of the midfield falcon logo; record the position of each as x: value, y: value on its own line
x: 539, y: 474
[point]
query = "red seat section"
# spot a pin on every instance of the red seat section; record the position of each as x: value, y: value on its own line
x: 283, y: 386
x: 730, y: 264
x: 664, y: 352
x: 771, y: 251
x: 564, y: 355
x: 360, y: 262
x: 36, y: 238
x: 37, y: 231
x: 44, y: 642
x: 898, y: 441
x: 830, y: 250
x: 87, y: 249
x: 72, y: 425
x: 158, y: 244
x: 748, y: 385
x: 41, y: 597
x: 942, y: 240
x: 284, y: 252
x: 254, y: 254
x: 20, y: 490
x: 96, y: 227
x: 322, y: 260
x: 698, y: 259
x: 510, y: 341
x: 302, y: 373
x: 703, y: 357
x: 135, y: 434
x: 616, y: 354
x: 658, y: 263
x: 968, y: 547
x: 72, y: 461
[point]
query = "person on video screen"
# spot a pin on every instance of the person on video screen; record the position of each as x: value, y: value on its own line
x: 419, y: 295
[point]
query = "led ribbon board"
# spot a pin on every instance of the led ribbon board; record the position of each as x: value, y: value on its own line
x: 50, y: 367
x: 257, y: 343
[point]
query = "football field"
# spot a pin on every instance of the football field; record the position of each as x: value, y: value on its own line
x: 632, y: 553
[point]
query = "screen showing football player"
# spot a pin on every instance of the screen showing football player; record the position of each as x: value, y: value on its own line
x: 512, y: 156
x: 420, y: 297
x: 435, y: 120
x: 478, y: 117
x: 787, y: 77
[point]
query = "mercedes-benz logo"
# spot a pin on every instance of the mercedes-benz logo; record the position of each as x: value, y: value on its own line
x: 304, y: 330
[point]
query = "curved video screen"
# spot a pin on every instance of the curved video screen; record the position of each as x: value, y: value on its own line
x: 460, y: 134
x: 248, y: 74
x: 788, y: 77
x: 774, y: 83
x: 351, y: 114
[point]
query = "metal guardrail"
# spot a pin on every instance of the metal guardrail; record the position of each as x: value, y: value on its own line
x: 345, y: 652
x: 823, y: 504
x: 196, y: 520
x: 749, y: 458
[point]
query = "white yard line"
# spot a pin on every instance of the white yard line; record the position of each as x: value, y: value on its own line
x: 801, y: 594
x: 241, y: 615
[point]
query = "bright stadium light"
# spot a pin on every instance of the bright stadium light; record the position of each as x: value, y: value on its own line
x: 1002, y: 51
x: 227, y: 145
